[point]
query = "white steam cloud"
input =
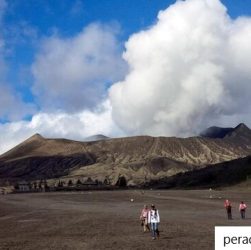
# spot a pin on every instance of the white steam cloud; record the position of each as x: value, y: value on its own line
x: 190, y: 70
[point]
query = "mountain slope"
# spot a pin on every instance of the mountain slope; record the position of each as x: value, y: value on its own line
x: 139, y: 158
x: 218, y: 175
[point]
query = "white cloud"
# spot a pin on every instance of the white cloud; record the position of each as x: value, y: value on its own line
x: 190, y: 70
x: 11, y: 105
x: 73, y: 73
x: 75, y: 126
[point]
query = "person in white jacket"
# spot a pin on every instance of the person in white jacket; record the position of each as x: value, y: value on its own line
x: 154, y: 220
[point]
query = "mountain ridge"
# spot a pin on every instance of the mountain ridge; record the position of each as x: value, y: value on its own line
x: 138, y: 158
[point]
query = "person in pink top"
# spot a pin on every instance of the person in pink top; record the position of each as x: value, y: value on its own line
x: 242, y: 209
x: 144, y: 217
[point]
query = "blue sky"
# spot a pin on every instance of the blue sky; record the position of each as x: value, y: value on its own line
x: 26, y: 22
x: 77, y: 61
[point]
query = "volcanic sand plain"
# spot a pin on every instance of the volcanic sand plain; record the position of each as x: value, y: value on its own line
x: 109, y: 220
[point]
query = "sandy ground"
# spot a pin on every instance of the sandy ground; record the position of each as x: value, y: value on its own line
x: 108, y: 220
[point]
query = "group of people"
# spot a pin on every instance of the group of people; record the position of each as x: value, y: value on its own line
x: 228, y: 207
x: 150, y: 220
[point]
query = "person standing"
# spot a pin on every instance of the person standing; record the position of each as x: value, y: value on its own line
x: 154, y: 220
x: 144, y: 218
x: 228, y: 207
x: 242, y: 209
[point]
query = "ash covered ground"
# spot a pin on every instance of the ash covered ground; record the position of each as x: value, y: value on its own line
x: 109, y: 220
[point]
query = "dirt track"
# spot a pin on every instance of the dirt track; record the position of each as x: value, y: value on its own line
x: 108, y: 220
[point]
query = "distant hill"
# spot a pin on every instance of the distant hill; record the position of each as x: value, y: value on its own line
x: 98, y: 137
x: 139, y: 159
x: 218, y: 132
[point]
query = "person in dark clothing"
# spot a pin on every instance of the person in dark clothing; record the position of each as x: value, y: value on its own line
x: 228, y: 207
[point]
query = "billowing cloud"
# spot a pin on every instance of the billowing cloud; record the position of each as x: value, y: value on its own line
x: 190, y: 70
x: 76, y: 126
x: 74, y: 73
